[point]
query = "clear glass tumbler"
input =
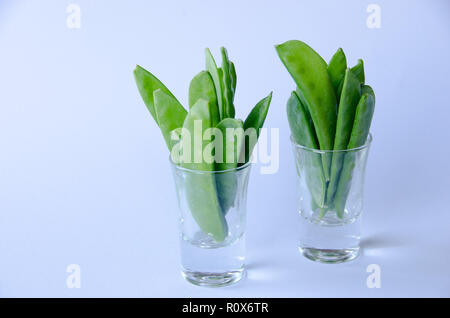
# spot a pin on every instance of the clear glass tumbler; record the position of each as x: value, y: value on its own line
x: 330, y: 204
x: 212, y: 219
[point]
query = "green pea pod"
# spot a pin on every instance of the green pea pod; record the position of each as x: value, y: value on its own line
x: 336, y: 69
x: 363, y: 119
x: 175, y: 137
x: 254, y: 120
x: 202, y: 87
x: 216, y: 75
x: 309, y: 72
x: 232, y: 132
x: 351, y: 94
x: 360, y: 132
x: 233, y: 77
x: 147, y: 83
x: 303, y: 134
x: 227, y: 84
x: 169, y: 113
x: 358, y: 70
x: 300, y: 123
x: 200, y: 187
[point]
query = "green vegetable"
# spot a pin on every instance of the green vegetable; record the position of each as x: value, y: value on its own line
x: 202, y: 87
x: 300, y: 123
x: 351, y: 93
x: 360, y: 132
x: 316, y: 91
x: 201, y: 188
x: 169, y: 113
x: 211, y: 103
x: 336, y: 69
x: 358, y: 70
x: 303, y: 134
x: 216, y: 75
x: 233, y: 76
x: 147, y: 83
x: 228, y: 86
x: 255, y: 120
x: 232, y: 146
x: 317, y: 123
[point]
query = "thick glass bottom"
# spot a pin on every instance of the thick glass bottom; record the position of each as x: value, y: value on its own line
x: 213, y: 279
x: 330, y: 256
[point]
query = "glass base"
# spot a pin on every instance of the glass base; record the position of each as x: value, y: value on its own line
x: 330, y: 256
x: 213, y: 279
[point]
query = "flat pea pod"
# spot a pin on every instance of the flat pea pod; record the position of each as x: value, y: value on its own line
x: 360, y: 132
x: 232, y: 132
x: 358, y: 70
x: 309, y: 72
x: 300, y: 123
x: 147, y: 83
x: 200, y: 187
x: 255, y: 120
x: 303, y: 134
x: 351, y: 94
x: 363, y: 119
x: 202, y: 87
x: 336, y: 69
x: 216, y: 75
x: 169, y: 113
x: 233, y: 77
x: 227, y: 85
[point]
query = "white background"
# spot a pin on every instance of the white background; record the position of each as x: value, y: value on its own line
x: 84, y: 172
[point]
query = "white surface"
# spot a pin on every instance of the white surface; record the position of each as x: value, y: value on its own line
x: 84, y: 177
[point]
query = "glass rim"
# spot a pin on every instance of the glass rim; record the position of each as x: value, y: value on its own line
x: 366, y: 145
x: 238, y: 168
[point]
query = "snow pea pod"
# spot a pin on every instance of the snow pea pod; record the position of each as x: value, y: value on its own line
x: 336, y: 69
x: 200, y: 187
x: 216, y: 74
x: 233, y: 77
x: 147, y: 83
x: 202, y: 87
x: 360, y: 132
x: 351, y: 94
x: 358, y: 70
x: 303, y: 134
x: 227, y: 84
x: 363, y: 119
x: 254, y: 120
x: 170, y: 114
x: 309, y: 72
x: 300, y: 123
x: 232, y: 132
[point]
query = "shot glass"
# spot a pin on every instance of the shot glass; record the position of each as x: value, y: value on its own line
x: 212, y: 220
x: 330, y: 204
